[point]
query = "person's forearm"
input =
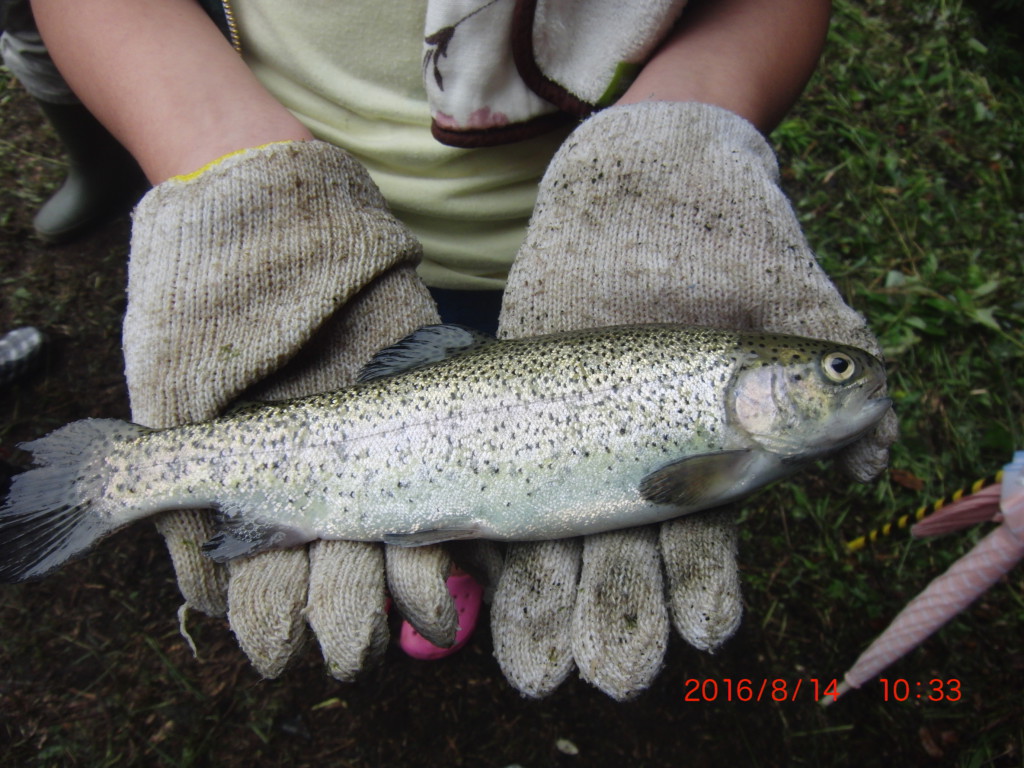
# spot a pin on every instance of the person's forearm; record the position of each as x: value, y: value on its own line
x: 164, y: 81
x: 752, y: 57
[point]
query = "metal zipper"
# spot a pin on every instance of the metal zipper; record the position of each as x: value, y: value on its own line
x: 229, y: 17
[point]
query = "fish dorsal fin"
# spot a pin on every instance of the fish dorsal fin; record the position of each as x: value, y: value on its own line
x: 430, y: 344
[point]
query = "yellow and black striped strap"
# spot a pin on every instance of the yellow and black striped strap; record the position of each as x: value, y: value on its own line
x: 905, y: 521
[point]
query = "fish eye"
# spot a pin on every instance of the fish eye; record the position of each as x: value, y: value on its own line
x: 838, y: 367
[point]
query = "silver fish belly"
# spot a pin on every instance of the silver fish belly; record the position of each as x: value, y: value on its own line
x: 455, y: 437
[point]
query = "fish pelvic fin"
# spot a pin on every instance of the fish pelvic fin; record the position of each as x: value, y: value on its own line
x: 50, y: 513
x: 433, y: 536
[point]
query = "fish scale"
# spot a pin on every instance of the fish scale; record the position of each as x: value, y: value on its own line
x: 451, y: 436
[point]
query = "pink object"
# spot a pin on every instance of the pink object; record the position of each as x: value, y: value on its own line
x: 979, y: 507
x: 967, y: 579
x: 467, y: 595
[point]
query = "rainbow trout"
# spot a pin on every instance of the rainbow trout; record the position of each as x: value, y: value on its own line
x: 449, y: 435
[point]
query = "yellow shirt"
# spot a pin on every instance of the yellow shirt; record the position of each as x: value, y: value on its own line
x: 352, y: 73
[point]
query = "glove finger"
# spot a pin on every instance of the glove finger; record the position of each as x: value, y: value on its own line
x: 266, y: 598
x: 483, y: 560
x: 394, y: 304
x: 203, y: 583
x: 531, y: 617
x: 620, y: 625
x: 346, y: 606
x: 417, y: 578
x: 868, y: 457
x: 298, y: 229
x: 699, y: 554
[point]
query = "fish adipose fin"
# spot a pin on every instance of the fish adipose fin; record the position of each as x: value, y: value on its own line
x: 239, y: 535
x: 435, y: 536
x: 49, y: 516
x: 430, y: 344
x: 698, y: 481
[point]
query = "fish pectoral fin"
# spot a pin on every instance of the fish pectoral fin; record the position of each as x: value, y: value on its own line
x: 433, y: 536
x: 698, y: 481
x: 239, y: 536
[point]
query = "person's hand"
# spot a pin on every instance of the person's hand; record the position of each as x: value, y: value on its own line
x: 655, y: 212
x: 278, y: 272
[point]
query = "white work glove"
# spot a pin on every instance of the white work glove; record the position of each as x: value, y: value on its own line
x: 655, y: 212
x: 278, y: 272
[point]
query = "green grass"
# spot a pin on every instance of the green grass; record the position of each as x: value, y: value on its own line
x: 905, y: 167
x: 903, y: 161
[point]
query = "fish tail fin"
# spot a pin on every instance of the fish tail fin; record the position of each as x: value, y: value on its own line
x: 50, y: 514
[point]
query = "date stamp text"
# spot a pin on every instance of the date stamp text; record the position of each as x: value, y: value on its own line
x: 697, y: 690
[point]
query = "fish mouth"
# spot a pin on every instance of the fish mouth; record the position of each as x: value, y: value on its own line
x: 881, y: 404
x: 875, y: 398
x: 864, y: 411
x: 871, y: 412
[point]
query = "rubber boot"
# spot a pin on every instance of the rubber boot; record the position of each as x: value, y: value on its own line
x: 103, y: 179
